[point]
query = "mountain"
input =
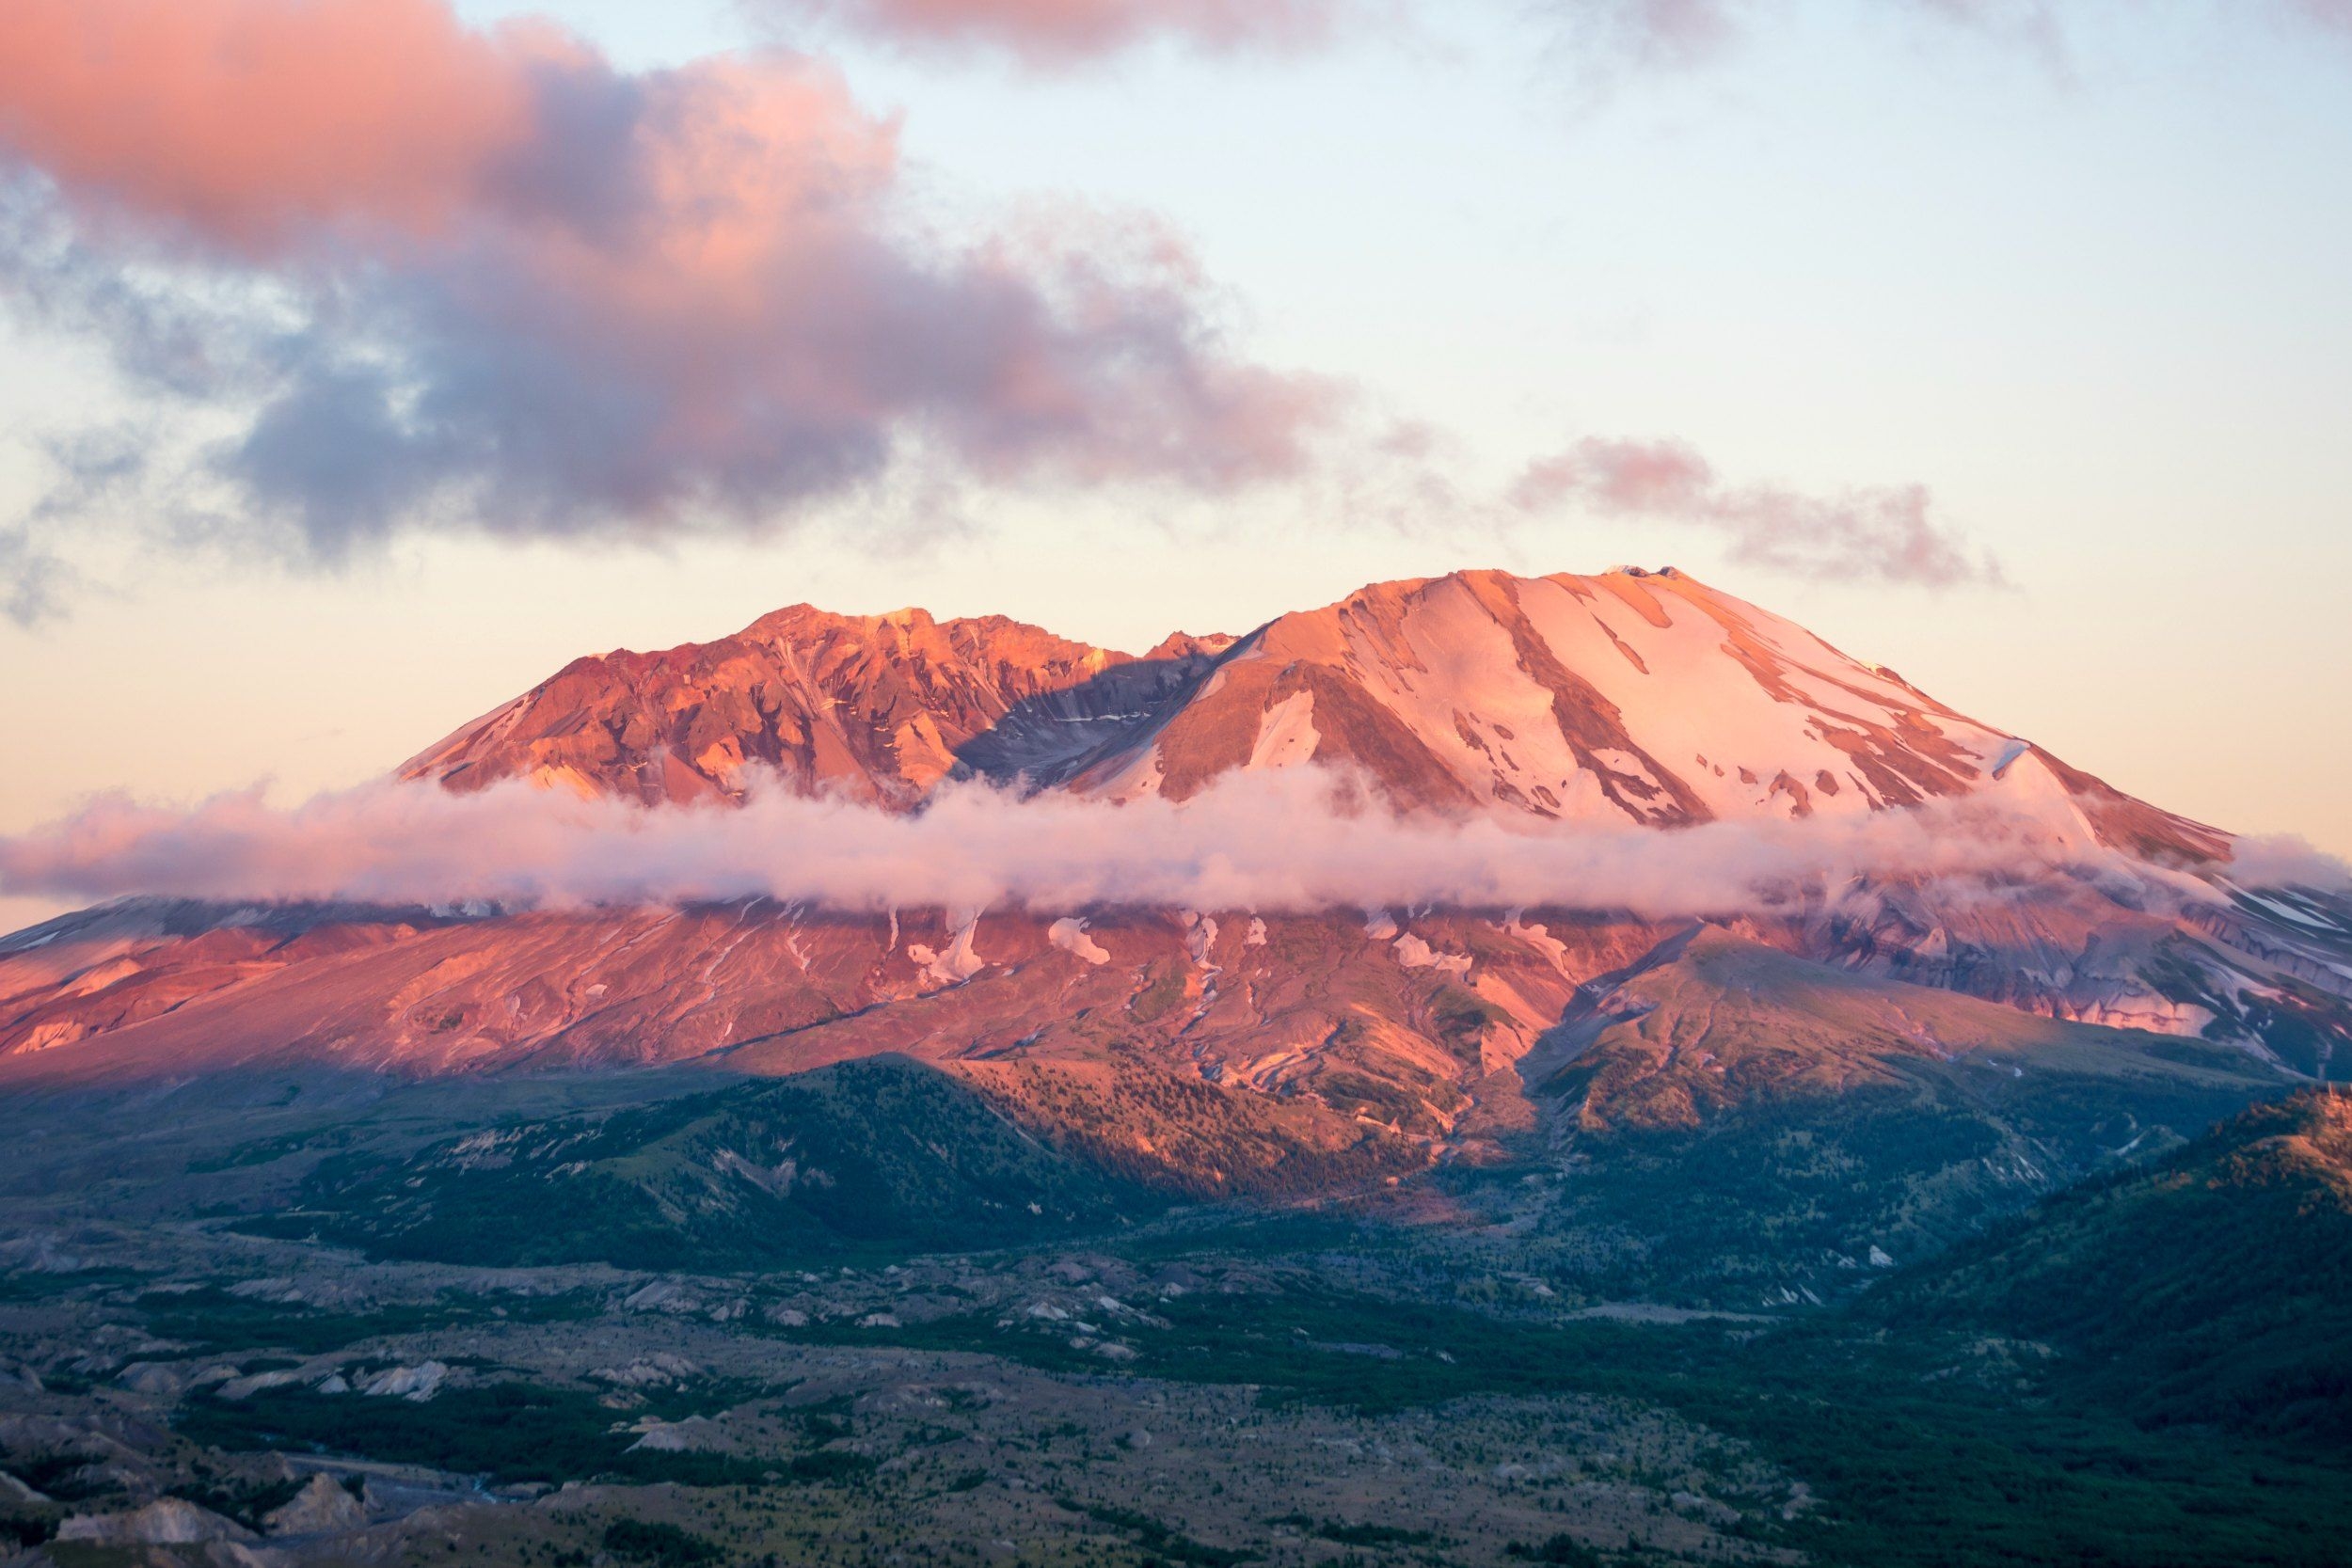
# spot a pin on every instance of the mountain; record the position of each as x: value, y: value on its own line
x: 878, y: 708
x: 2212, y: 1287
x: 1966, y: 1055
x: 1631, y: 695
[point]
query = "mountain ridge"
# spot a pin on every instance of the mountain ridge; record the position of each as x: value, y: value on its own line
x: 1561, y: 696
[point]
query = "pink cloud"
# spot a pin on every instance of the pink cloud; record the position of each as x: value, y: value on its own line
x: 2328, y: 13
x: 253, y: 121
x: 1887, y: 533
x: 1061, y: 31
x: 462, y: 273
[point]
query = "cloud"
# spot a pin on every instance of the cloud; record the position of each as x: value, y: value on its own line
x: 1062, y: 31
x: 32, y: 579
x: 1884, y: 533
x: 480, y: 278
x: 1291, y: 840
x: 1598, y: 39
x: 2288, y: 860
x: 2328, y: 13
x: 1605, y: 37
x: 1669, y: 34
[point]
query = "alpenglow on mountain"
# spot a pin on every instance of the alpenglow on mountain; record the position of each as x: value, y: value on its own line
x: 1267, y: 1055
x: 1633, y: 696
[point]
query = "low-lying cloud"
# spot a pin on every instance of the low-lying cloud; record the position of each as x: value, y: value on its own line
x: 1886, y: 533
x: 1290, y: 841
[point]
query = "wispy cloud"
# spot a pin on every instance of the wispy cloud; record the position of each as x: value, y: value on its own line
x: 1058, y: 33
x: 1882, y: 533
x: 1602, y: 38
x: 33, y: 579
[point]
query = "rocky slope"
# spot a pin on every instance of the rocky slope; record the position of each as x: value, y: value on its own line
x: 874, y: 707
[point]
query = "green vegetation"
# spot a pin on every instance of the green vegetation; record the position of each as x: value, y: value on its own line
x: 510, y: 1432
x: 1169, y: 1544
x: 221, y: 1320
x: 664, y: 1546
x: 870, y: 1159
x: 25, y: 1531
x: 246, y: 1502
x: 1917, y: 1465
x: 1162, y: 995
x: 1564, y: 1550
x: 55, y: 1475
x: 1355, y: 1535
x: 1462, y: 1016
x: 2213, y: 1287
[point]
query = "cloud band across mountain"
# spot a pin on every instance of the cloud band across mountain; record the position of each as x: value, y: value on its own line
x: 1292, y: 841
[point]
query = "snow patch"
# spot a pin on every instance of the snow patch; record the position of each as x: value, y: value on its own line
x: 1069, y: 935
x: 955, y: 965
x: 1413, y: 953
x: 1286, y: 732
x: 1200, y: 938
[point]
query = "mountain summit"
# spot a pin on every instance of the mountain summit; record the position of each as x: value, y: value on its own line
x: 1631, y: 695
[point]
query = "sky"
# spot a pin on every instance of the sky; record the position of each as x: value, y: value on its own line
x: 369, y: 360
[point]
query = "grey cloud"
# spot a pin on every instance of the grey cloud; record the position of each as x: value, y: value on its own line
x: 1886, y: 533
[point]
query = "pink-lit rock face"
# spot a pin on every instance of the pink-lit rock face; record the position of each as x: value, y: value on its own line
x: 873, y: 707
x: 1625, y: 696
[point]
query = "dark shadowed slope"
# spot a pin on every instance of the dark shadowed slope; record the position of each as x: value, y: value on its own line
x: 2215, y: 1287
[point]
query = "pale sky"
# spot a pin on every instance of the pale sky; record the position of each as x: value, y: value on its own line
x: 2087, y: 290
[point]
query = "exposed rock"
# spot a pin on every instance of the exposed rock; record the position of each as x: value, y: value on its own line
x: 873, y: 707
x: 419, y: 1383
x: 653, y: 1371
x: 323, y: 1507
x: 243, y: 1387
x: 696, y: 1433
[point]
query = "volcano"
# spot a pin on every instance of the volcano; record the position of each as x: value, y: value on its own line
x: 1278, y: 1054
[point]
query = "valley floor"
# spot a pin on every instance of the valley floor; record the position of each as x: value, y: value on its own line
x: 1210, y: 1390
